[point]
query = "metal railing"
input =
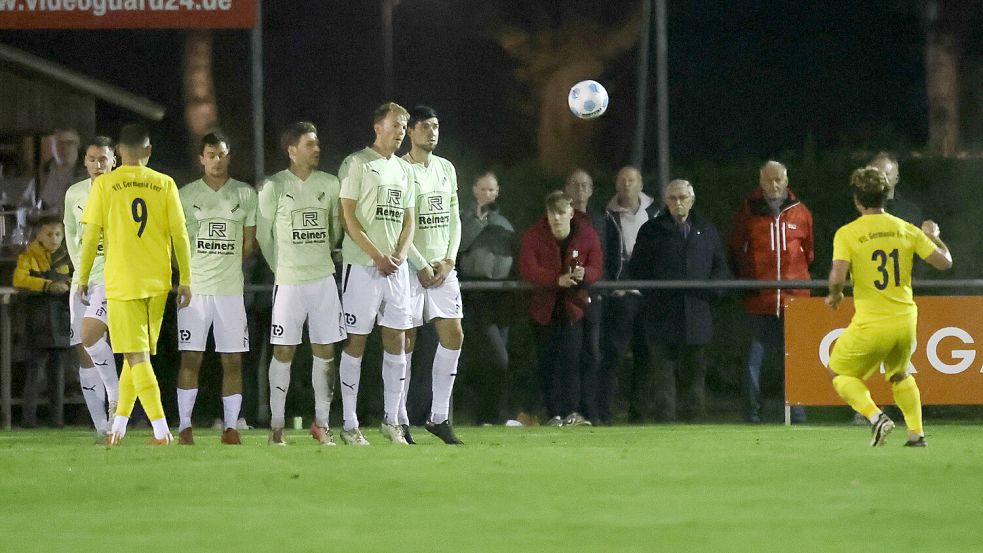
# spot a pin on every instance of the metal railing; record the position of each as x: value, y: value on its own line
x: 7, y: 294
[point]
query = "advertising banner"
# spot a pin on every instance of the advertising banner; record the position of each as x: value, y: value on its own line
x: 947, y: 363
x: 127, y: 14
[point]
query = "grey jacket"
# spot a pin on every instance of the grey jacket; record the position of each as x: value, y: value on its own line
x: 487, y: 245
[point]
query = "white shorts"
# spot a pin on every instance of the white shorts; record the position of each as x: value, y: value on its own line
x: 315, y: 302
x: 442, y: 302
x: 225, y: 315
x: 78, y: 310
x: 370, y: 298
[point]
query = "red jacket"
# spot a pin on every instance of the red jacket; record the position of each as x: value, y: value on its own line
x: 540, y: 264
x: 763, y: 246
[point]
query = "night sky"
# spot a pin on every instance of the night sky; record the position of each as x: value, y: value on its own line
x: 748, y: 78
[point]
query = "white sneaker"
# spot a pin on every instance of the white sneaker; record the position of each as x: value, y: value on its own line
x: 353, y: 437
x: 555, y: 421
x: 394, y: 432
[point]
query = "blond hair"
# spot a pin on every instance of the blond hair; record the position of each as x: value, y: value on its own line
x: 382, y: 111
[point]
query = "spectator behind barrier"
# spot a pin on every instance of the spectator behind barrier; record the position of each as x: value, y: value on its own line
x: 771, y: 239
x: 681, y: 244
x: 487, y: 252
x: 627, y: 211
x: 560, y: 256
x: 580, y: 187
x: 44, y: 270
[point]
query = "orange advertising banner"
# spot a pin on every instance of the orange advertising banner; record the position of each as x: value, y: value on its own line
x: 127, y: 14
x: 947, y: 362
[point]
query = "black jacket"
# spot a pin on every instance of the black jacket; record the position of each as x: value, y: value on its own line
x: 615, y: 257
x: 661, y: 253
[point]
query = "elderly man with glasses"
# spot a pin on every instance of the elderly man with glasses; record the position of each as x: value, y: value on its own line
x: 679, y: 244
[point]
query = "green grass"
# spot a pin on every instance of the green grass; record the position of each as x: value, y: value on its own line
x: 658, y: 488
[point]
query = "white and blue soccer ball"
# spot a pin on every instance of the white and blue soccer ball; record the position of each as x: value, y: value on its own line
x: 588, y: 99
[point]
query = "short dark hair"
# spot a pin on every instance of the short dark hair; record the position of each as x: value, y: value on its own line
x: 291, y: 135
x: 134, y: 135
x: 870, y: 187
x: 48, y: 220
x: 100, y: 141
x: 420, y: 113
x: 214, y: 139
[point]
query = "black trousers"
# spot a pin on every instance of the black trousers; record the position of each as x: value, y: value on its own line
x: 485, y: 365
x: 590, y: 358
x: 45, y: 367
x: 680, y: 372
x: 558, y: 345
x: 623, y: 326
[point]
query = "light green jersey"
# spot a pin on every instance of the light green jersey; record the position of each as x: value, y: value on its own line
x: 297, y: 225
x: 215, y: 221
x: 75, y: 198
x: 382, y: 191
x: 438, y: 220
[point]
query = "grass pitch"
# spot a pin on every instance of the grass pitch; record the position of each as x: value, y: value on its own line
x: 656, y: 488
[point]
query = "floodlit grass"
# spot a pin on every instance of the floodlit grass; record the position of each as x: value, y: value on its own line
x: 657, y: 488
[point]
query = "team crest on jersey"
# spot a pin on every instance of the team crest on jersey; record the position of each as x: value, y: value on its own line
x: 185, y: 335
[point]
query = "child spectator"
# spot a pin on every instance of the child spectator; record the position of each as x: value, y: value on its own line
x: 43, y: 270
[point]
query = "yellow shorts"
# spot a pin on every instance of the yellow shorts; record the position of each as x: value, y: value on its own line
x: 861, y: 349
x: 134, y: 325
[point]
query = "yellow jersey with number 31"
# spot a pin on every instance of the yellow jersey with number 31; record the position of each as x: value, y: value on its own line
x: 140, y: 213
x: 880, y: 249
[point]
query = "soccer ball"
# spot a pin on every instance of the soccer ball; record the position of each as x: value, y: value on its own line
x: 588, y: 99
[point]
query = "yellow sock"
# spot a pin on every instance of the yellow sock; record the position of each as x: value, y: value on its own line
x: 145, y: 384
x: 855, y: 393
x: 909, y: 400
x: 127, y: 393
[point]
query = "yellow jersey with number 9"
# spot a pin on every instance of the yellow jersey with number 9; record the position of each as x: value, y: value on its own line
x: 880, y: 249
x: 140, y: 213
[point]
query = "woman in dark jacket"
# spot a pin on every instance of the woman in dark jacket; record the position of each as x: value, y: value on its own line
x: 560, y: 257
x: 679, y: 245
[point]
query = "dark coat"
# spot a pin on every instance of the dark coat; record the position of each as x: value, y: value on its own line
x: 540, y: 263
x: 661, y: 253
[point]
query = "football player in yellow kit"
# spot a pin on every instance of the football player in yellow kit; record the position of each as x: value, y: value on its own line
x: 878, y: 249
x: 137, y: 211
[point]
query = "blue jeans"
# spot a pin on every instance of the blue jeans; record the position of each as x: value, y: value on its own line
x: 768, y: 335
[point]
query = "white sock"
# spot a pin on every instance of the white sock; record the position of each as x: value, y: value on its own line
x: 350, y: 370
x: 104, y: 362
x: 231, y: 405
x: 94, y: 394
x: 119, y: 424
x: 185, y: 405
x: 160, y: 428
x: 279, y: 383
x: 393, y: 373
x: 444, y: 373
x: 401, y: 415
x: 323, y: 392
